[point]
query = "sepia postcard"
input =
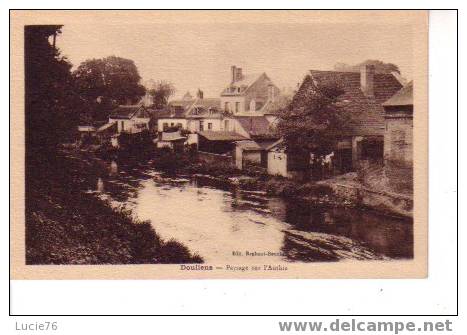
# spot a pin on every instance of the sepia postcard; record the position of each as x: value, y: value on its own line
x: 218, y: 144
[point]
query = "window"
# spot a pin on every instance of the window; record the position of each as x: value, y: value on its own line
x: 179, y: 125
x: 122, y: 126
x: 201, y: 125
x: 237, y: 107
x: 226, y: 125
x: 165, y: 126
x: 209, y: 126
x: 227, y: 107
x: 172, y: 124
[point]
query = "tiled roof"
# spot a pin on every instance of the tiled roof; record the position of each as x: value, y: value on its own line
x: 255, y: 125
x: 185, y: 103
x: 126, y: 112
x: 221, y: 135
x: 209, y: 107
x: 402, y: 98
x: 243, y: 84
x: 366, y: 113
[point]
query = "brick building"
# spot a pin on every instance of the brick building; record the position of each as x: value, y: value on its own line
x: 364, y: 93
x: 398, y: 139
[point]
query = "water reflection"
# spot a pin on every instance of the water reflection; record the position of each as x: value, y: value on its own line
x: 100, y: 185
x: 218, y: 221
x: 113, y: 168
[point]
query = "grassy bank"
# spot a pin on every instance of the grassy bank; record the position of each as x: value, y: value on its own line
x: 64, y: 225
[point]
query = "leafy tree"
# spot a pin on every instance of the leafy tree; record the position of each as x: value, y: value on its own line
x: 161, y: 92
x: 280, y: 103
x: 313, y: 121
x: 380, y: 67
x: 52, y: 107
x: 108, y: 82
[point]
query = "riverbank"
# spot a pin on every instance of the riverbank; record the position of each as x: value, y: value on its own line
x: 342, y: 191
x: 66, y: 225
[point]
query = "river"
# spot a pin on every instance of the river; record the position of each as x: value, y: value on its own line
x: 222, y: 223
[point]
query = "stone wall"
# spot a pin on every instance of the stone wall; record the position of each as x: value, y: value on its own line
x: 383, y: 201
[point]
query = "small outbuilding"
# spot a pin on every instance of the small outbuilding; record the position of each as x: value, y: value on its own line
x: 249, y: 151
x: 218, y: 142
x: 285, y: 164
x: 173, y: 140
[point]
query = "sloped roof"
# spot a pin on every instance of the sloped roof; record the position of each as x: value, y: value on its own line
x: 366, y: 113
x: 172, y: 111
x: 249, y: 145
x: 278, y: 144
x: 192, y: 108
x: 255, y: 125
x: 126, y: 111
x: 221, y: 135
x: 185, y: 103
x: 243, y: 84
x: 209, y: 107
x: 402, y: 98
x: 106, y: 126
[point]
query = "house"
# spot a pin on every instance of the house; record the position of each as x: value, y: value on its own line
x: 398, y: 139
x: 247, y: 93
x: 204, y: 114
x: 173, y: 140
x: 197, y: 114
x: 362, y: 100
x: 130, y: 118
x: 280, y: 162
x: 174, y: 115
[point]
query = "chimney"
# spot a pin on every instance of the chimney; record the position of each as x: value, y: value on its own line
x: 367, y: 77
x: 234, y: 73
x: 238, y: 75
x: 200, y: 94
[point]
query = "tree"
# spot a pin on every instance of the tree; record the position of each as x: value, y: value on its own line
x: 52, y: 108
x: 106, y: 83
x: 380, y: 67
x: 161, y: 92
x: 313, y: 121
x: 280, y: 103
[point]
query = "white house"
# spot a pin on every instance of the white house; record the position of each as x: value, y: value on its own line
x: 130, y: 119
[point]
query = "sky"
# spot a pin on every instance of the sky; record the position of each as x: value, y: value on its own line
x: 199, y: 55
